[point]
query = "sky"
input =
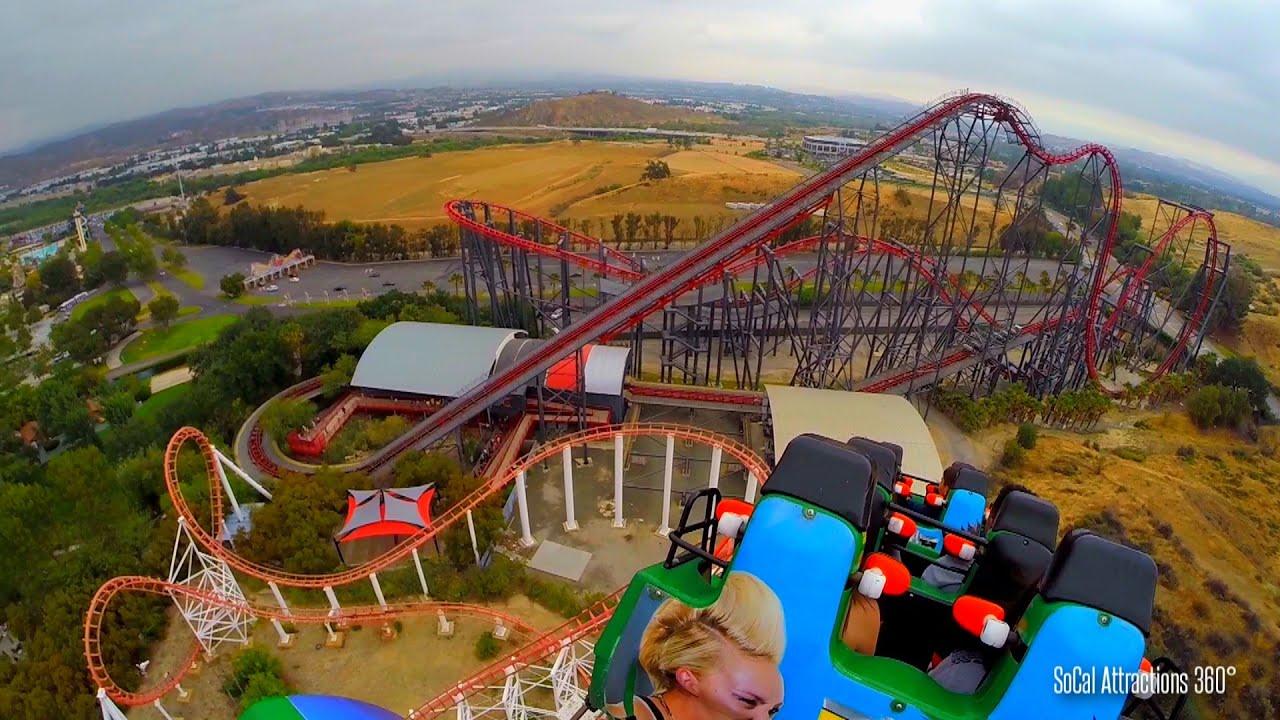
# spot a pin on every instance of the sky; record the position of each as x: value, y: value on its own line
x: 1198, y: 80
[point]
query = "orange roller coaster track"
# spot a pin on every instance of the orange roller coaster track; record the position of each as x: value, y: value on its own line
x: 206, y: 540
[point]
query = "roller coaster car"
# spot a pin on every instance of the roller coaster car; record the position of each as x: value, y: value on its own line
x: 1037, y: 611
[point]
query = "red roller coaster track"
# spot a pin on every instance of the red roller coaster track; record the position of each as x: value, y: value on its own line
x: 558, y: 241
x: 651, y: 292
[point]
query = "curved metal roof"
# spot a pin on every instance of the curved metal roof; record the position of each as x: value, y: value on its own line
x: 430, y: 358
x: 841, y: 415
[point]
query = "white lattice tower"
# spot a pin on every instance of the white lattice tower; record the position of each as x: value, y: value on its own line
x: 552, y: 691
x: 212, y: 623
x: 513, y: 698
x: 571, y: 665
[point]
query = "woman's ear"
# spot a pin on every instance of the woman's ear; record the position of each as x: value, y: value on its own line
x: 687, y: 680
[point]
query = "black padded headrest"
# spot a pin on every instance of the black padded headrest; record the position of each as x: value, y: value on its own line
x: 886, y: 459
x: 1027, y: 515
x: 1010, y: 571
x: 826, y: 473
x: 949, y: 475
x: 1091, y: 570
x: 964, y: 476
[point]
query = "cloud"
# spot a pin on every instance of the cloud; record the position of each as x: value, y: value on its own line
x: 1200, y: 80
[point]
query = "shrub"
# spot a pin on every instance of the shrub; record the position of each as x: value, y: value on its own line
x: 232, y: 285
x: 487, y: 647
x: 261, y: 687
x: 1027, y: 435
x: 1218, y: 405
x: 1064, y: 466
x: 1186, y: 452
x: 255, y: 674
x: 1013, y: 455
x: 1131, y: 453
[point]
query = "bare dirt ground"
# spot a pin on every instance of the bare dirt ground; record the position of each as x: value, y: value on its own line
x: 399, y: 674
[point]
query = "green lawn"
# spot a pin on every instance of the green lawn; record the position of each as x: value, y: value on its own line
x: 258, y: 300
x: 177, y: 337
x: 78, y: 311
x: 163, y: 399
x: 188, y: 310
x: 192, y: 278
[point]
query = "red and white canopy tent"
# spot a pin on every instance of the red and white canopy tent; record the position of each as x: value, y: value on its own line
x: 389, y: 512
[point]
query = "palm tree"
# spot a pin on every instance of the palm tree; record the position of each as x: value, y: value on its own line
x: 293, y: 337
x: 456, y: 279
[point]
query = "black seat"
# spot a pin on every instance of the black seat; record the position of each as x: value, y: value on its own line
x: 1091, y: 570
x: 1027, y: 514
x: 963, y: 476
x: 1019, y: 550
x: 826, y: 473
x: 885, y: 457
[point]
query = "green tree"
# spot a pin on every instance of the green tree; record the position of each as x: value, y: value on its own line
x: 338, y: 376
x: 164, y: 308
x: 232, y: 285
x: 118, y: 408
x: 173, y: 257
x: 295, y: 530
x: 114, y: 268
x: 1243, y: 374
x: 286, y: 415
x: 655, y: 170
x: 58, y: 280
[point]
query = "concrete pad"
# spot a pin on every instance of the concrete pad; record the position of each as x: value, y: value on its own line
x: 561, y: 560
x: 171, y: 378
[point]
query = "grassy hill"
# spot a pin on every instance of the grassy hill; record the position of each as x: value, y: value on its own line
x: 1201, y: 503
x: 602, y: 109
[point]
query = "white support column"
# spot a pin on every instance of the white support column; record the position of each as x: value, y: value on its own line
x: 110, y: 711
x: 243, y: 475
x: 377, y: 590
x: 522, y: 506
x: 666, y: 485
x: 471, y: 530
x: 422, y: 578
x: 275, y: 590
x: 285, y: 638
x: 334, y: 607
x: 226, y: 487
x: 752, y: 482
x: 160, y: 709
x: 570, y: 523
x: 618, y: 520
x: 714, y: 481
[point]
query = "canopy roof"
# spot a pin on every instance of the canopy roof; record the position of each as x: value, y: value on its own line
x: 430, y: 358
x: 841, y: 415
x: 392, y: 511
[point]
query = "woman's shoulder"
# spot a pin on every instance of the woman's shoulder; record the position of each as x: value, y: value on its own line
x: 641, y: 707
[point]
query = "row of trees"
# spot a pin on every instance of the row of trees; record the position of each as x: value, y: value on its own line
x: 280, y: 230
x: 1075, y: 409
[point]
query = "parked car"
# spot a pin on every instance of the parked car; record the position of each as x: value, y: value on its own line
x: 294, y: 278
x: 273, y: 288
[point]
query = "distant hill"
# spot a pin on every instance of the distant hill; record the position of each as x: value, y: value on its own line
x: 602, y: 109
x: 259, y: 114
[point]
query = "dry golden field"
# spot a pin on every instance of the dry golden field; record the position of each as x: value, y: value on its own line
x: 1202, y: 504
x: 576, y: 180
x: 1258, y: 240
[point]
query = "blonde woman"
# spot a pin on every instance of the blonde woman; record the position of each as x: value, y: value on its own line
x: 715, y: 663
